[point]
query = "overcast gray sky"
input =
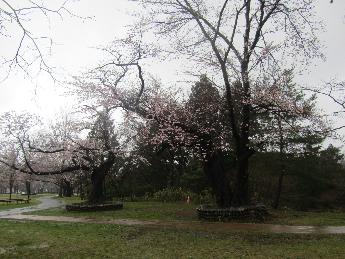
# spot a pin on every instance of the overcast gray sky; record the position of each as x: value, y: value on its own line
x: 73, y: 52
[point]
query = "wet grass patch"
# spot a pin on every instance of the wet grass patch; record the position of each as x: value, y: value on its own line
x: 133, y: 210
x: 79, y: 240
x: 181, y: 211
x: 308, y: 218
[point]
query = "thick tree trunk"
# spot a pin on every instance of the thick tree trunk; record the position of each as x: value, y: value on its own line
x: 28, y: 188
x: 81, y: 189
x: 279, y: 188
x: 241, y: 191
x: 215, y: 172
x: 11, y: 187
x: 67, y: 189
x: 282, y: 166
x: 96, y: 194
x: 240, y: 122
x: 243, y: 152
x: 61, y: 188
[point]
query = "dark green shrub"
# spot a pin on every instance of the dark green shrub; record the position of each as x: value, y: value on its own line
x: 172, y: 195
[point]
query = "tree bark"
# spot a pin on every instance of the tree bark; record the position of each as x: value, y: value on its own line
x: 67, y: 189
x: 28, y: 188
x: 279, y: 188
x: 81, y: 189
x: 61, y: 188
x: 218, y: 178
x: 282, y: 166
x: 11, y: 185
x: 241, y: 191
x: 96, y: 194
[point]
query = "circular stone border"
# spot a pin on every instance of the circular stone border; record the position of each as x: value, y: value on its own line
x: 254, y: 212
x: 94, y: 207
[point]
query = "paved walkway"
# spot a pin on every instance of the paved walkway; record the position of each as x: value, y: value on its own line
x: 49, y: 202
x: 46, y: 202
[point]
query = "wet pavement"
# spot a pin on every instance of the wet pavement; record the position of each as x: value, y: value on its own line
x: 270, y: 228
x: 46, y: 202
x: 49, y: 202
x: 194, y: 225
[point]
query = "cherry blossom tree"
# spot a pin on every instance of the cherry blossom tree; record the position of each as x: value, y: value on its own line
x: 62, y: 151
x: 10, y: 174
x: 246, y: 42
x: 199, y: 126
x: 22, y: 132
x: 245, y: 45
x: 101, y: 154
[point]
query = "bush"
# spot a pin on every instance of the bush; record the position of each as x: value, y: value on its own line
x: 172, y: 194
x: 180, y: 194
x: 205, y: 197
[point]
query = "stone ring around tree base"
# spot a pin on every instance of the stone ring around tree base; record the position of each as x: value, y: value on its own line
x: 254, y: 212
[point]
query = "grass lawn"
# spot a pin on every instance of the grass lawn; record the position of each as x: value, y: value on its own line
x: 312, y: 218
x: 186, y: 212
x: 88, y: 240
x: 132, y: 210
x: 4, y: 206
x: 77, y: 240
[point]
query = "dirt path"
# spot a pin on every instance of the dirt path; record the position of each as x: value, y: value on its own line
x: 49, y: 202
x: 193, y: 225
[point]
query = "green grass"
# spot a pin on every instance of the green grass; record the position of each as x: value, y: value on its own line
x: 4, y: 206
x: 310, y: 218
x: 132, y: 210
x: 76, y: 240
x: 187, y: 212
x: 87, y: 240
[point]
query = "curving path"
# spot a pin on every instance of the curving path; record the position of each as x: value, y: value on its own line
x: 48, y: 202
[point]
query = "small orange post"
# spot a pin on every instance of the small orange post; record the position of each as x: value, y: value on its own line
x: 188, y: 199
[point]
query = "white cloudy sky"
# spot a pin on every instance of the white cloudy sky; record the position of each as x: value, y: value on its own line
x: 72, y: 51
x: 75, y: 38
